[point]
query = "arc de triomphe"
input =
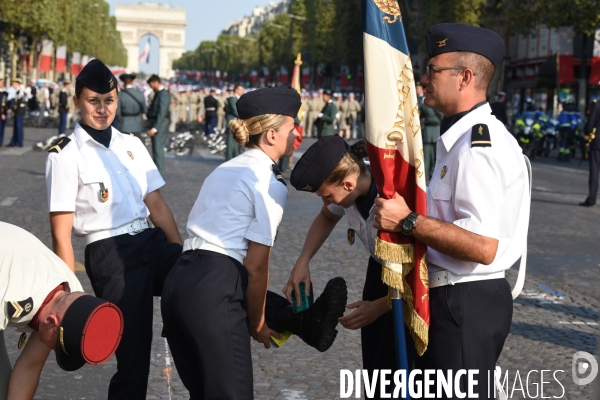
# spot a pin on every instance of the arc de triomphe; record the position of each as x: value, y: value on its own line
x: 164, y: 22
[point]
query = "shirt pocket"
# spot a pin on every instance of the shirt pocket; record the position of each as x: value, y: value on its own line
x: 92, y: 184
x: 442, y: 200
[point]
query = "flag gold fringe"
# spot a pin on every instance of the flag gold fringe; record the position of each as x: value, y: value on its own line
x: 395, y: 253
x: 397, y: 263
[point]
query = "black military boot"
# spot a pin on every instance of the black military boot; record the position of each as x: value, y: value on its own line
x: 316, y: 326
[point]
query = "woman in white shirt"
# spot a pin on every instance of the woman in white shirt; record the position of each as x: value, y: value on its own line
x: 216, y: 295
x: 336, y: 172
x: 103, y: 185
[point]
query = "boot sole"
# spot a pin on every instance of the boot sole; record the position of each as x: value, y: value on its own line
x: 336, y: 292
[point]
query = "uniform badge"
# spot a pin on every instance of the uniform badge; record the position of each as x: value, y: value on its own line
x: 22, y: 340
x: 111, y: 83
x: 19, y: 309
x: 307, y: 188
x: 442, y: 42
x: 351, y: 236
x: 130, y: 154
x: 103, y: 192
x: 443, y: 172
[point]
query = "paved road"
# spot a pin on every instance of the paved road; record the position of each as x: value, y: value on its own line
x: 557, y: 315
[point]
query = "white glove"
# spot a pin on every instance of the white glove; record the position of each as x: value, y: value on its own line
x: 319, y: 115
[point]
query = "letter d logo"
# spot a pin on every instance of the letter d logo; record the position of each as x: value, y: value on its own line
x: 582, y: 363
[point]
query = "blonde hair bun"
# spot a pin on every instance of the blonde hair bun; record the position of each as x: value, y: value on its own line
x: 240, y: 131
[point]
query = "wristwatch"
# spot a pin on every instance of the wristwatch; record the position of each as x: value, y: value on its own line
x: 409, y: 223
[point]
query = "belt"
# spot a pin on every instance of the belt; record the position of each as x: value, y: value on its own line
x: 197, y: 243
x: 443, y: 278
x: 134, y: 227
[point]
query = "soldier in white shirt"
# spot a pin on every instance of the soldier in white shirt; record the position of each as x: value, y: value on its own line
x: 41, y: 296
x: 216, y: 295
x: 478, y: 204
x: 103, y: 185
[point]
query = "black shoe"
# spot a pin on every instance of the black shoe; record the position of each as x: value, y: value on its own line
x: 316, y: 326
x: 586, y: 204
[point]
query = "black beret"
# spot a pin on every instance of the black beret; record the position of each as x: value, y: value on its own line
x: 153, y: 78
x: 125, y: 77
x: 316, y: 164
x: 451, y: 37
x: 97, y: 77
x: 269, y: 101
x: 90, y: 332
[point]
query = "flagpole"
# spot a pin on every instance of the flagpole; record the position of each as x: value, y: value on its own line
x: 399, y: 332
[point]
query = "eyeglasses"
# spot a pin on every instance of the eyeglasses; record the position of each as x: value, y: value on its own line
x: 429, y: 69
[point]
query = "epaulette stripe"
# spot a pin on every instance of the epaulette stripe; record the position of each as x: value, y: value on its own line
x: 60, y: 145
x: 480, y: 136
x: 131, y: 134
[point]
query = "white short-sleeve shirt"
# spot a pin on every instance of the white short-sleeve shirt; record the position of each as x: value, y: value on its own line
x: 240, y: 201
x: 29, y: 271
x: 75, y: 175
x: 484, y: 190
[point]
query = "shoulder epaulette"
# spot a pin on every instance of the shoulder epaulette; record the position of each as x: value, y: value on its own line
x: 57, y: 148
x: 131, y: 134
x: 480, y: 136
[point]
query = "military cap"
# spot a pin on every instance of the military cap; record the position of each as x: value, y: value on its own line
x: 90, y: 332
x: 17, y: 80
x: 455, y: 37
x: 153, y: 78
x: 269, y: 101
x: 316, y: 164
x: 327, y: 92
x: 66, y: 82
x: 97, y: 77
x: 127, y: 77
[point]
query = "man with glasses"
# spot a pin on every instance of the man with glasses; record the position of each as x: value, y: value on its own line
x: 478, y: 203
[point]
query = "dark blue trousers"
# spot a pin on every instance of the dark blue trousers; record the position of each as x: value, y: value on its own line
x: 2, y: 125
x: 129, y: 270
x: 62, y: 127
x: 18, y: 132
x: 209, y: 125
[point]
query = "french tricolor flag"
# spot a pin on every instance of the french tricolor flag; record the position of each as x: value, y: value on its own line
x: 61, y: 59
x: 76, y: 63
x: 395, y: 148
x: 46, y: 58
x: 145, y: 54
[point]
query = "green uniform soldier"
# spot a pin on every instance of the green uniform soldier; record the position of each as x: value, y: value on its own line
x: 233, y: 149
x: 132, y: 105
x: 327, y: 116
x: 158, y: 116
x: 430, y: 124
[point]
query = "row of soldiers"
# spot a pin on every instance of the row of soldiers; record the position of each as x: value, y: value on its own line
x: 347, y: 111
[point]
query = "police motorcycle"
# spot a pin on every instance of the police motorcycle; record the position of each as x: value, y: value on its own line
x: 528, y: 133
x: 528, y: 128
x: 549, y: 136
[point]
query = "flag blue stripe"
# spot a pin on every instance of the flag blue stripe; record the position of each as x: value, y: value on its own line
x: 373, y: 24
